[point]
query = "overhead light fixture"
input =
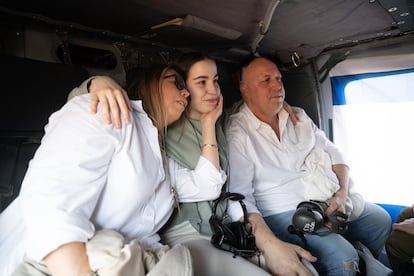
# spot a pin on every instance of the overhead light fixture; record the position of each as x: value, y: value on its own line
x: 202, y: 25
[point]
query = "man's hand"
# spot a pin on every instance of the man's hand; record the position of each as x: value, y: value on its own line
x: 406, y: 226
x: 337, y: 203
x: 281, y: 258
x: 112, y: 98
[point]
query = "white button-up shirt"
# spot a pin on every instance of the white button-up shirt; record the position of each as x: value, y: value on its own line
x: 271, y: 173
x: 87, y: 176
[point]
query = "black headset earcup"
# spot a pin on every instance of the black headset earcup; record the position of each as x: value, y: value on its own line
x: 239, y: 231
x: 223, y: 233
x: 217, y: 231
x: 232, y: 236
x: 312, y: 205
x: 308, y: 217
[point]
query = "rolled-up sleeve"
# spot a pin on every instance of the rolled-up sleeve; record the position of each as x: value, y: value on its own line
x: 201, y: 184
x: 335, y: 154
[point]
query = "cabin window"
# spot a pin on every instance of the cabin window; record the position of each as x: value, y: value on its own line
x: 373, y: 126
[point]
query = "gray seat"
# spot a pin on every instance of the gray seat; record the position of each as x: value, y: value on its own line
x: 31, y: 91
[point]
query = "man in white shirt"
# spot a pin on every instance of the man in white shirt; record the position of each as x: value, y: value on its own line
x: 278, y: 161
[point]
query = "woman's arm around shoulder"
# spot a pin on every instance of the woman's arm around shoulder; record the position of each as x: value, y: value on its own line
x: 111, y: 97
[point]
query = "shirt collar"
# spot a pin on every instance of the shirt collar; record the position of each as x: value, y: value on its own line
x: 256, y: 123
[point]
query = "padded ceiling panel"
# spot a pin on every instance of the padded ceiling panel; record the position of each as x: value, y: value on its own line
x: 302, y: 26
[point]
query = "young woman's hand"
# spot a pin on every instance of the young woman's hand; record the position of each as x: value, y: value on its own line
x: 113, y: 100
x: 289, y: 110
x: 214, y: 114
x: 209, y: 146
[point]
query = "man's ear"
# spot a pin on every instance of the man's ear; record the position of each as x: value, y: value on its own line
x: 243, y: 89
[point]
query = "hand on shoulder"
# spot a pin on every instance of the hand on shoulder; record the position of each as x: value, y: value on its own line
x: 112, y: 98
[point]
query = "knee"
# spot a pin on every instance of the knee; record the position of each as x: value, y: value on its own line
x: 350, y: 261
x: 344, y: 261
x: 383, y: 218
x: 348, y: 266
x: 387, y: 222
x: 381, y: 222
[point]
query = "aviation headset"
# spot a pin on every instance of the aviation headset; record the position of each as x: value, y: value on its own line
x: 310, y: 216
x: 234, y: 237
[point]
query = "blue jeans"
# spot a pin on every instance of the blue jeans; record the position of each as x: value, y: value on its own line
x: 335, y: 253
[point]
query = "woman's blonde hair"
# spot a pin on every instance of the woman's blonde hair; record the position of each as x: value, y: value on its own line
x: 148, y: 88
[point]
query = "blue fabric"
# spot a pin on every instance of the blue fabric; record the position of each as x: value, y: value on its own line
x: 392, y: 210
x: 333, y: 250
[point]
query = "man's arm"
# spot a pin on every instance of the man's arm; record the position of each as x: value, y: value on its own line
x: 281, y: 258
x: 338, y: 200
x: 339, y: 167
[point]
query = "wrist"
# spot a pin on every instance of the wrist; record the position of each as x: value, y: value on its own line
x: 208, y: 123
x: 208, y: 145
x: 92, y: 82
x: 340, y: 193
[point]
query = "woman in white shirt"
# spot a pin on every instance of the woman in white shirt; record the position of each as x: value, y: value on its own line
x: 88, y: 176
